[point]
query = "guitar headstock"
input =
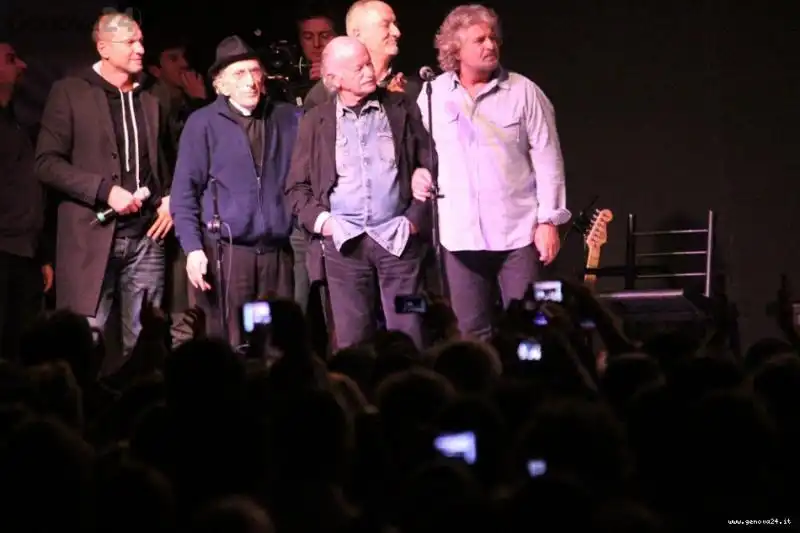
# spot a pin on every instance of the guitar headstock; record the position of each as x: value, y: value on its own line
x: 597, y: 232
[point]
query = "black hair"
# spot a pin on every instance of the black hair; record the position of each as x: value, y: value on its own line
x: 160, y: 44
x: 315, y: 10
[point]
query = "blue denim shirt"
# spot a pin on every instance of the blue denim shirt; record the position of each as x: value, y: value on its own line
x: 366, y: 198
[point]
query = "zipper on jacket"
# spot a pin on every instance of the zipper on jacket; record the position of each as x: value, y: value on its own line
x: 261, y: 203
x: 256, y: 168
x: 260, y: 172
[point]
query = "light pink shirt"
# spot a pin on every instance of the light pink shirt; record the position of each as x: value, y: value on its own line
x: 500, y: 165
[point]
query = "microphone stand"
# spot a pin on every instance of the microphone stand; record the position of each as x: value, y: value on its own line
x: 435, y: 196
x: 215, y: 227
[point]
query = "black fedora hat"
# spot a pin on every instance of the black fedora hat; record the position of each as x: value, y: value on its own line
x: 230, y: 50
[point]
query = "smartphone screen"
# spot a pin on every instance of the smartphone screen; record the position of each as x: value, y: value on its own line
x: 529, y: 350
x: 457, y: 445
x: 548, y: 291
x: 537, y: 467
x: 255, y: 313
x: 408, y: 304
x: 541, y: 320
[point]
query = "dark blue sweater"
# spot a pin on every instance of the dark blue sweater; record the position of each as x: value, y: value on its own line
x: 214, y: 145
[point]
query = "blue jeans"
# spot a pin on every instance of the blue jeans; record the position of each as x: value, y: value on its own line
x: 136, y: 267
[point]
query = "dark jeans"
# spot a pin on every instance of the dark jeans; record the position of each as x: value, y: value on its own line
x: 249, y: 276
x: 352, y: 275
x: 21, y: 299
x: 135, y: 268
x: 178, y: 293
x: 312, y: 298
x: 302, y: 284
x: 434, y: 280
x: 474, y: 277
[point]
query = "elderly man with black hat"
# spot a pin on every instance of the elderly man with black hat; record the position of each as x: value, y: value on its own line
x: 227, y: 201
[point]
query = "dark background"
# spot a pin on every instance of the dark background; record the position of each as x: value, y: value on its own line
x: 665, y: 109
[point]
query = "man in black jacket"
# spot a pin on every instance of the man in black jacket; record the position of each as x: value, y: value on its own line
x: 350, y: 187
x: 180, y: 91
x: 100, y: 147
x: 22, y: 213
x: 374, y: 24
x: 315, y: 30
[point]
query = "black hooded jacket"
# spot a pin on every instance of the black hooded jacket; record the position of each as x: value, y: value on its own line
x: 130, y: 129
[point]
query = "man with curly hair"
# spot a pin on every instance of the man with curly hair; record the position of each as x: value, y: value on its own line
x: 500, y: 174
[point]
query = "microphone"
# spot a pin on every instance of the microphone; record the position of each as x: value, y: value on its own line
x: 104, y: 216
x: 215, y: 224
x: 426, y: 73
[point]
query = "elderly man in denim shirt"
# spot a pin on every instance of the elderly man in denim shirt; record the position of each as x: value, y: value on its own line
x: 350, y: 185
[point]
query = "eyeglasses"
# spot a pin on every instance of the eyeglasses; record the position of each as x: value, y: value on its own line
x: 129, y: 42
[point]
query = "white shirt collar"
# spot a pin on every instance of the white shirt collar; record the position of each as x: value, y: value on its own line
x: 240, y: 109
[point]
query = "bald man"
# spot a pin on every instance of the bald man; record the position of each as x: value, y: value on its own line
x: 349, y: 185
x: 99, y: 146
x: 374, y: 24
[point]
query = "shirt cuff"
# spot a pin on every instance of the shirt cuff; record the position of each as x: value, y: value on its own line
x: 556, y: 217
x: 321, y: 219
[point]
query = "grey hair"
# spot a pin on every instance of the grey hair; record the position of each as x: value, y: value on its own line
x: 109, y: 21
x: 329, y: 56
x: 448, y: 38
x: 354, y: 12
x: 327, y: 74
x: 217, y: 80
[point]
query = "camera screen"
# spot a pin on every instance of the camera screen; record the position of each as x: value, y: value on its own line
x: 537, y: 467
x: 256, y: 313
x: 410, y: 304
x: 529, y: 350
x: 458, y: 446
x: 548, y: 291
